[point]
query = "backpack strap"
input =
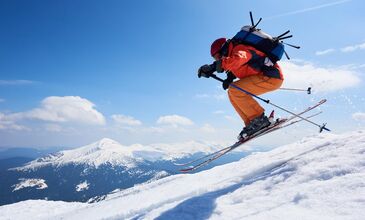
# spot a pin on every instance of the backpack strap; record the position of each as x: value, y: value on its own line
x: 259, y: 63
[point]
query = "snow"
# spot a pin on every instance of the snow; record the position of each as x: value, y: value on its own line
x: 319, y: 177
x: 82, y: 186
x: 24, y: 183
x: 108, y: 151
x: 37, y: 209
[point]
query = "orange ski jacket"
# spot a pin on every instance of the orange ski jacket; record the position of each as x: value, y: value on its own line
x: 238, y: 62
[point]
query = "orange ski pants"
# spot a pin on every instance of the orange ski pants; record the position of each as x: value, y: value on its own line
x: 246, y: 105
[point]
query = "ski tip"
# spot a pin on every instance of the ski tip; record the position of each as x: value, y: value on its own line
x: 185, y: 170
x: 179, y: 164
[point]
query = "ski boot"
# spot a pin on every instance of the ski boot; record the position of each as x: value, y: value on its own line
x: 256, y: 125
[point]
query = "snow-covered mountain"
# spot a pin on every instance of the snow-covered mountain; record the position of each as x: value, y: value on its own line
x: 105, y: 151
x: 91, y: 171
x: 110, y: 152
x: 320, y: 177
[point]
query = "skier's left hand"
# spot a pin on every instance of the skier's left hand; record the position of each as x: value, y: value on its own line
x: 228, y: 81
x: 207, y: 70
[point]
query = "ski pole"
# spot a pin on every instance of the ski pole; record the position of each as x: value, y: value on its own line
x: 309, y: 90
x: 321, y: 127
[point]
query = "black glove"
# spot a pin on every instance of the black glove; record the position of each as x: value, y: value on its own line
x: 207, y: 70
x: 228, y: 81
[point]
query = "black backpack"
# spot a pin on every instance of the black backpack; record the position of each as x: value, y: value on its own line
x: 273, y: 47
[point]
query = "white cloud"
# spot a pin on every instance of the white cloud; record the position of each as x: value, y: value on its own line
x: 208, y: 128
x: 347, y: 49
x: 232, y: 118
x: 359, y: 116
x: 352, y: 66
x: 325, y: 52
x: 353, y: 48
x: 7, y: 123
x: 64, y: 109
x: 360, y: 66
x: 153, y: 129
x: 15, y: 82
x: 218, y: 112
x: 53, y: 128
x: 174, y: 120
x: 217, y: 96
x: 126, y: 120
x: 202, y: 96
x: 303, y: 74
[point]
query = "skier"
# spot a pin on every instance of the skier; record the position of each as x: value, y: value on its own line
x: 256, y: 74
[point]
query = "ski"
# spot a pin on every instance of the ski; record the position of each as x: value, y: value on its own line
x: 280, y: 123
x: 224, y: 151
x: 293, y: 122
x: 217, y: 152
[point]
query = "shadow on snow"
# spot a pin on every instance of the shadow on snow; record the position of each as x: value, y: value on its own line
x: 202, y: 206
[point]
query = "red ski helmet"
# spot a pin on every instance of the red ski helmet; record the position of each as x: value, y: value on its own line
x: 217, y: 45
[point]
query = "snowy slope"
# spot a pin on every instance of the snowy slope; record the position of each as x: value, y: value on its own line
x: 320, y: 177
x: 108, y: 151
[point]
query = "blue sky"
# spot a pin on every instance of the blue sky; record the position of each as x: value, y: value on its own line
x: 72, y: 72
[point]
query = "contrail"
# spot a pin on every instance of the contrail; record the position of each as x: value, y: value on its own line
x: 308, y: 9
x: 15, y: 82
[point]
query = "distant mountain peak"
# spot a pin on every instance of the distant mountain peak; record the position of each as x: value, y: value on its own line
x: 106, y: 142
x: 103, y: 144
x: 104, y: 151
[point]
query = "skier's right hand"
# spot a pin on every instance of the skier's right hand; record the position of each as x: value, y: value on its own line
x: 206, y: 70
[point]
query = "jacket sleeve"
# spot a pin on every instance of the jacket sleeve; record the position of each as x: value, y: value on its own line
x: 236, y: 60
